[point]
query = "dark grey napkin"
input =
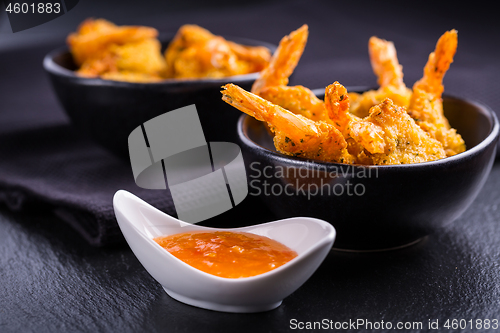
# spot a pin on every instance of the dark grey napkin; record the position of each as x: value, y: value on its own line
x: 58, y: 169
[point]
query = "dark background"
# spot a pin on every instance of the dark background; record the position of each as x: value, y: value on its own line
x: 51, y: 280
x: 337, y: 45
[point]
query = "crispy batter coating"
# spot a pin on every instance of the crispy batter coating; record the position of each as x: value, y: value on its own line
x: 294, y: 134
x: 142, y: 58
x: 297, y: 99
x: 195, y: 52
x: 363, y: 102
x: 257, y: 56
x: 132, y: 53
x: 391, y: 136
x: 95, y: 35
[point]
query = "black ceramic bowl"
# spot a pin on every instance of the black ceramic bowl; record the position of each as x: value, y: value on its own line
x: 107, y: 111
x: 375, y: 207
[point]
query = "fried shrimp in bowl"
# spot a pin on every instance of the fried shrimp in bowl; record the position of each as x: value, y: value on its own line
x: 196, y: 53
x: 134, y: 54
x: 111, y: 79
x: 377, y: 203
x: 95, y: 35
x: 383, y: 175
x: 103, y: 49
x: 294, y: 134
x: 391, y: 125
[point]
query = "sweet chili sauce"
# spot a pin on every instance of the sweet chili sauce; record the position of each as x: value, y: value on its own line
x: 227, y: 254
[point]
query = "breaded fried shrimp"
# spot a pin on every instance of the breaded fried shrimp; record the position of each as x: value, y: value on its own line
x: 297, y: 99
x: 426, y: 104
x: 295, y: 135
x: 403, y: 140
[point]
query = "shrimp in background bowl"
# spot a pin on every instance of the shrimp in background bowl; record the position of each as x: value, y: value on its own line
x: 133, y: 53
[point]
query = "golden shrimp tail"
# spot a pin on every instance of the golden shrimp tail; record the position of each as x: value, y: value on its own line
x: 259, y: 55
x: 297, y: 99
x: 385, y: 64
x: 254, y: 105
x: 244, y: 101
x: 337, y: 105
x: 438, y: 63
x: 264, y: 110
x: 284, y: 60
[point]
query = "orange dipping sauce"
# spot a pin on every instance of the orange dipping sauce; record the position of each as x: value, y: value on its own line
x: 227, y: 254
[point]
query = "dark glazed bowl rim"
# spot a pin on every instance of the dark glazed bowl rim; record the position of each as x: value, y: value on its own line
x: 482, y: 108
x: 53, y: 68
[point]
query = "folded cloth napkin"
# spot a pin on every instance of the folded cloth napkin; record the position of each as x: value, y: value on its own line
x: 58, y: 168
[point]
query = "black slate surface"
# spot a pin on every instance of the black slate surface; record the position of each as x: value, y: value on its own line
x: 52, y: 280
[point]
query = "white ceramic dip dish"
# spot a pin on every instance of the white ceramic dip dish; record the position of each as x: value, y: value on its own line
x: 139, y: 222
